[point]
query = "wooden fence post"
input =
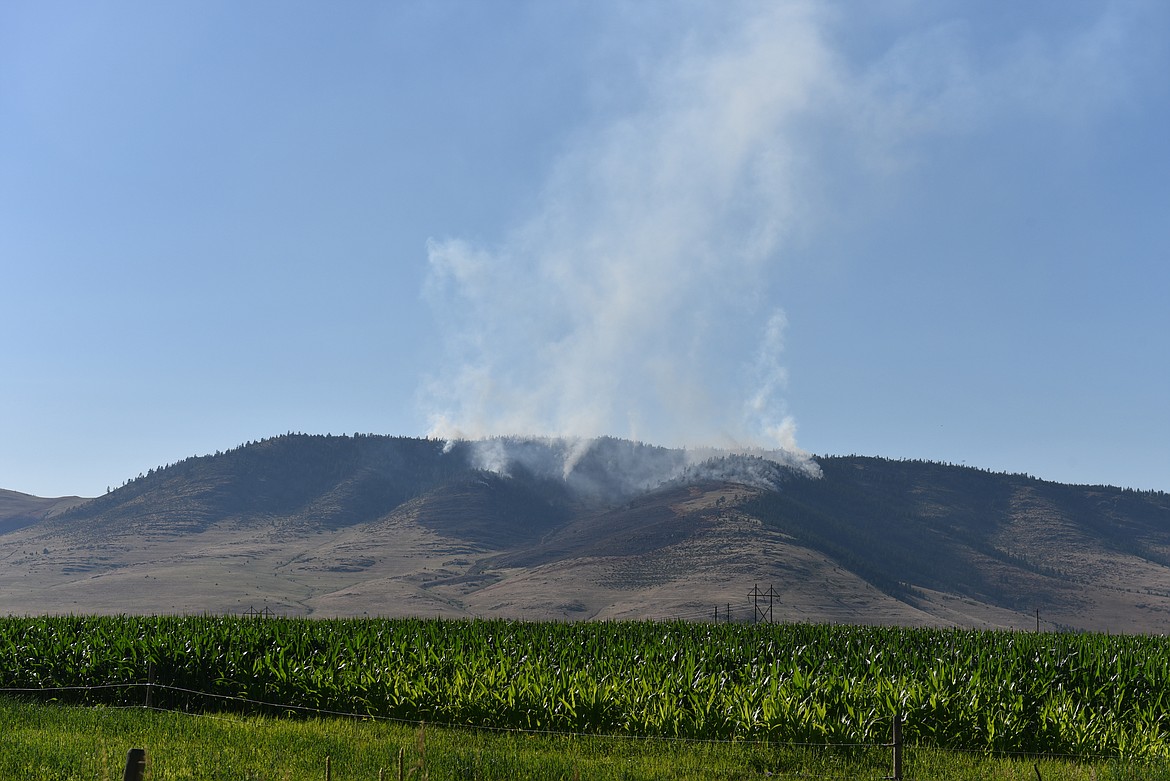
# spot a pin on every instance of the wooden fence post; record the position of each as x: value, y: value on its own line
x: 896, y: 744
x: 135, y: 765
x: 328, y: 769
x: 149, y: 683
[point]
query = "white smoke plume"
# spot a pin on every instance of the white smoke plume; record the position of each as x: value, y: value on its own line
x: 609, y: 469
x: 618, y: 308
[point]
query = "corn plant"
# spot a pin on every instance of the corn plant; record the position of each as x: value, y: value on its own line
x: 997, y: 691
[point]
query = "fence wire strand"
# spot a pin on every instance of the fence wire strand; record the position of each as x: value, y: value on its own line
x: 324, y: 712
x: 242, y: 719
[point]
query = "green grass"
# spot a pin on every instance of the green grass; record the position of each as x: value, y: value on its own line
x: 74, y: 743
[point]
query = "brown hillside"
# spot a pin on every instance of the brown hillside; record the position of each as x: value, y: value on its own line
x: 387, y: 526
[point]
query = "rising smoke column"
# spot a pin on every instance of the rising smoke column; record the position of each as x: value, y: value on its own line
x: 620, y: 307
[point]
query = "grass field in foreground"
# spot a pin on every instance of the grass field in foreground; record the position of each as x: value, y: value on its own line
x: 67, y: 743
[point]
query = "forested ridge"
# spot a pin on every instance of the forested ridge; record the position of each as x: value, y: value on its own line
x: 322, y: 479
x: 902, y: 524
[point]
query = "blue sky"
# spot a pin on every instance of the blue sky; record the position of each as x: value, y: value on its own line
x: 935, y: 230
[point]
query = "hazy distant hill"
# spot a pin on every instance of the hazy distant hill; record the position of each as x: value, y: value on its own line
x: 322, y: 525
x: 18, y: 510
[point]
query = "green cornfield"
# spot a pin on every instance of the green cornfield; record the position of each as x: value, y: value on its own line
x: 1056, y: 694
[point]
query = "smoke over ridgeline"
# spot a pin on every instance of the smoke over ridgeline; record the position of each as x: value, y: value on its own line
x: 619, y: 307
x: 609, y: 469
x: 616, y: 309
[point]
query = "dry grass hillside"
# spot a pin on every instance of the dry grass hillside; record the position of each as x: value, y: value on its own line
x: 18, y: 510
x: 329, y: 526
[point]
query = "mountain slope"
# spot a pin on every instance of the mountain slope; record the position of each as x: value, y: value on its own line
x: 396, y: 526
x: 19, y: 510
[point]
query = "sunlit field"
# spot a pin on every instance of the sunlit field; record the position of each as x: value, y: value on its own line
x: 273, y: 698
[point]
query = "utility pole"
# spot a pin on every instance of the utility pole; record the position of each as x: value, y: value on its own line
x: 758, y: 612
x: 771, y: 595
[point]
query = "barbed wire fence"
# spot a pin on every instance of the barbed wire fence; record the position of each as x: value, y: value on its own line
x: 194, y: 703
x: 199, y: 704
